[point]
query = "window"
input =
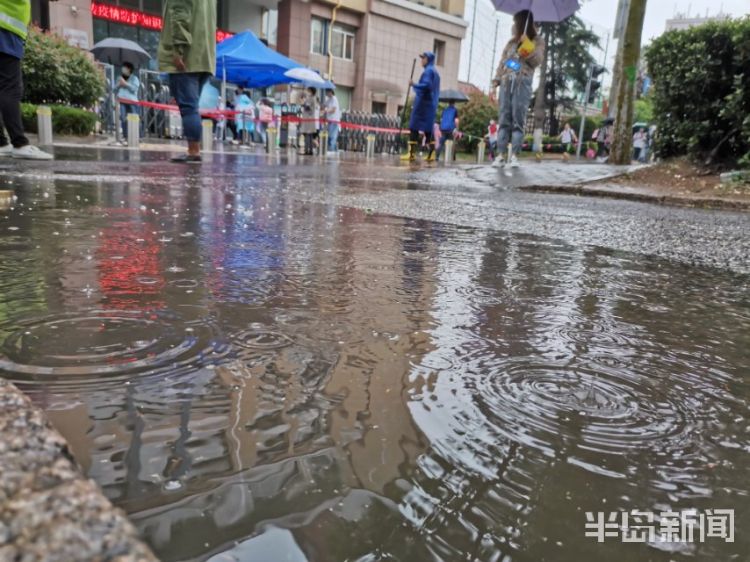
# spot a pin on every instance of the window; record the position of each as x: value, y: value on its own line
x: 439, y: 49
x: 344, y: 95
x: 152, y: 6
x: 318, y: 36
x: 342, y: 39
x: 378, y: 107
x: 342, y: 42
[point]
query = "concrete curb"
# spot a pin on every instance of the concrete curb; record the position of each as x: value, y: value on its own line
x: 633, y: 194
x: 48, y: 511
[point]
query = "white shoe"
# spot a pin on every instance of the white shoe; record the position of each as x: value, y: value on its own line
x: 6, y: 151
x: 499, y: 162
x: 514, y: 163
x: 30, y: 152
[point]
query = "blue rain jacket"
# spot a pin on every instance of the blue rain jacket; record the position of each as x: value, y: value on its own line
x: 426, y: 98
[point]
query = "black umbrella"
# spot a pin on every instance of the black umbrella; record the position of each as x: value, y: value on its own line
x: 453, y: 96
x: 117, y: 51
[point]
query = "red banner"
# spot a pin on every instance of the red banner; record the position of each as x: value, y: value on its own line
x: 140, y: 19
x: 231, y: 114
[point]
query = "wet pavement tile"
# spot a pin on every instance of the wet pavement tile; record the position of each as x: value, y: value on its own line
x: 253, y: 374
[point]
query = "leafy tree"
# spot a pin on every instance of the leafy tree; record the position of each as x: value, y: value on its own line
x: 644, y: 110
x: 475, y: 116
x: 56, y: 72
x: 569, y: 58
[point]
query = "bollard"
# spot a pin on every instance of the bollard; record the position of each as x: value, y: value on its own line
x: 6, y: 199
x: 134, y: 130
x: 271, y: 140
x: 480, y: 152
x: 448, y: 151
x: 370, y: 151
x: 323, y: 142
x: 207, y: 135
x: 44, y: 121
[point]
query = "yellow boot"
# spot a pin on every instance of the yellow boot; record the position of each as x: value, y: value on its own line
x: 431, y: 153
x: 410, y: 156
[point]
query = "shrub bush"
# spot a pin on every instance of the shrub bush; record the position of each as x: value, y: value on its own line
x: 475, y: 117
x: 65, y: 120
x: 55, y: 72
x: 701, y: 92
x: 592, y: 124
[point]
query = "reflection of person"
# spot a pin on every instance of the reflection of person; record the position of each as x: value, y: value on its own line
x: 187, y: 52
x: 127, y: 89
x: 424, y: 109
x: 310, y: 115
x: 520, y: 59
x: 15, y: 16
x: 333, y: 115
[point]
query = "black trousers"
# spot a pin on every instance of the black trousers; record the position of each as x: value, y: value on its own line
x: 11, y: 91
x: 415, y: 135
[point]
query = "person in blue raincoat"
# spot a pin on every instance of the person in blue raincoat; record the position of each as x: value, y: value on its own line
x: 424, y: 110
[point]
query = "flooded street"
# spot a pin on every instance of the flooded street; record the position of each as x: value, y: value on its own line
x: 254, y: 372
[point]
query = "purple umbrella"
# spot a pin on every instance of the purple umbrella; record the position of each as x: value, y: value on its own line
x: 552, y: 11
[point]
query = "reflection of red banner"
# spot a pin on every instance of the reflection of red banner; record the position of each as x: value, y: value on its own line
x: 134, y: 17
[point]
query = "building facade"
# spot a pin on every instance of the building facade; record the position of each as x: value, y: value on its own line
x: 367, y: 47
x: 85, y: 22
x: 686, y: 21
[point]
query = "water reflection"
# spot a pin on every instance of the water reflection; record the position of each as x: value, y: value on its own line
x: 247, y: 374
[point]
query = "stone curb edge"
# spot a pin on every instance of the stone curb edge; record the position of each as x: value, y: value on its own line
x: 587, y: 190
x: 49, y: 512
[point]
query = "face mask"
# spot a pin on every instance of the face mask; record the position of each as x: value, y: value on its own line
x: 125, y: 71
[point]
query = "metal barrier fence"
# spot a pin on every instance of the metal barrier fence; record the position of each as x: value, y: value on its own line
x: 355, y: 140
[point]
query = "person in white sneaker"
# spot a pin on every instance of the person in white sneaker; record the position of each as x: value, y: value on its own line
x: 521, y: 57
x: 14, y: 24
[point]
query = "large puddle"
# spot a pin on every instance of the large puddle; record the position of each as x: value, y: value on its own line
x: 254, y: 378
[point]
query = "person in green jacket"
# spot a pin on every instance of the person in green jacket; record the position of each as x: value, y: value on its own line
x: 187, y: 52
x: 15, y: 16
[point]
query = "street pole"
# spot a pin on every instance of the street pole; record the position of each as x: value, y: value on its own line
x: 471, y: 43
x: 583, y: 114
x: 494, y: 50
x: 604, y: 64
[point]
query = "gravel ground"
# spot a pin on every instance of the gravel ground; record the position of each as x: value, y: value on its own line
x: 692, y: 236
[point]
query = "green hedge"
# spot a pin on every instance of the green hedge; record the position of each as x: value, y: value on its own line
x: 592, y: 124
x: 65, y: 120
x: 701, y: 92
x: 55, y: 72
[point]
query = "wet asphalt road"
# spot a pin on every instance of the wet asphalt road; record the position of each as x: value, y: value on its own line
x: 243, y: 360
x: 464, y: 195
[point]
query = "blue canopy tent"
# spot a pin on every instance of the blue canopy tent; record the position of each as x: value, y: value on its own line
x: 244, y: 60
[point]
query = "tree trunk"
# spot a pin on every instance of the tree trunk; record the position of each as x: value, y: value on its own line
x: 622, y: 143
x: 539, y: 107
x: 552, y: 79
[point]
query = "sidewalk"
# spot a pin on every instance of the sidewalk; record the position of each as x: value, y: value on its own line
x: 602, y: 180
x: 48, y: 511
